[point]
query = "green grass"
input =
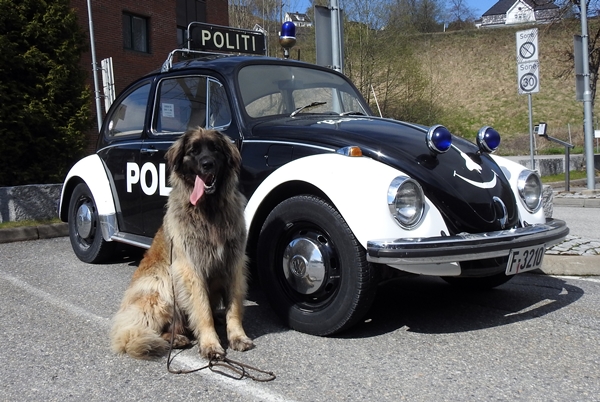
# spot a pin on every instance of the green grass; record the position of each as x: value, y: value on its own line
x: 573, y: 175
x: 16, y: 224
x: 561, y: 151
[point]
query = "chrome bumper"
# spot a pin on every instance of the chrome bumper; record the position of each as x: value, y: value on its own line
x: 464, y: 246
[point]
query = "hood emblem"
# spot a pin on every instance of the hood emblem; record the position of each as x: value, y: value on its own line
x: 470, y: 163
x: 484, y: 185
x: 500, y: 211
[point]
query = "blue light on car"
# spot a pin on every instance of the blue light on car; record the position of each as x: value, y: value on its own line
x: 288, y: 30
x: 287, y: 37
x: 488, y: 139
x: 439, y: 139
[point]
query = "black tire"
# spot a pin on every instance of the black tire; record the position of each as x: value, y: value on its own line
x: 483, y: 283
x: 84, y: 227
x: 342, y: 284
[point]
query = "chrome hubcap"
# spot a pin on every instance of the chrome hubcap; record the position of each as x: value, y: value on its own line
x: 304, y: 264
x: 84, y: 221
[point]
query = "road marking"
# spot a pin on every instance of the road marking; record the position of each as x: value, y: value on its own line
x: 245, y: 387
x: 55, y: 301
x: 579, y: 278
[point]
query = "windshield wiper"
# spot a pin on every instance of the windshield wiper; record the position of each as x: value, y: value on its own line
x: 352, y: 112
x: 295, y: 112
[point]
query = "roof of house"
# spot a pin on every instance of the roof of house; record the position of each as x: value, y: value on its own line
x: 300, y: 17
x: 502, y: 6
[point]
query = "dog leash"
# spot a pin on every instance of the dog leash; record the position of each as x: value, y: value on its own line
x: 217, y: 364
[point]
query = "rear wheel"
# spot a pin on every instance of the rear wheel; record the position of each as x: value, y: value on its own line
x: 84, y: 227
x: 312, y: 268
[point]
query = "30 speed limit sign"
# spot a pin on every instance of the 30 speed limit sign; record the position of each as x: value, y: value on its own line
x: 528, y: 77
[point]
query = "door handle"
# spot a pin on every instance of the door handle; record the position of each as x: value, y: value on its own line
x: 148, y: 150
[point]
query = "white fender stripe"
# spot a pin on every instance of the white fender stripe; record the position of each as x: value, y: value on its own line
x: 91, y: 170
x: 358, y: 189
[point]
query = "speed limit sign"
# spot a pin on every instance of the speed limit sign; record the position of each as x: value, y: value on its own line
x: 528, y: 77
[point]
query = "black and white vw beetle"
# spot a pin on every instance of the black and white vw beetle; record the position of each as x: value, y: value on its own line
x: 337, y: 198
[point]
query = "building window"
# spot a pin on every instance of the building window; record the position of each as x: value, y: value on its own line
x: 135, y: 33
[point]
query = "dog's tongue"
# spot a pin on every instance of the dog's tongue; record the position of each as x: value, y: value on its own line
x: 198, y: 190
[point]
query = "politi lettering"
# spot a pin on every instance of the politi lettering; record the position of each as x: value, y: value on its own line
x: 228, y: 40
x: 149, y: 178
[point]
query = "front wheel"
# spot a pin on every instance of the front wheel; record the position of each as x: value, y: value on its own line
x: 312, y: 268
x: 84, y: 227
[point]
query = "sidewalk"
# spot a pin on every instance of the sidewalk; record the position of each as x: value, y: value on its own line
x: 574, y: 257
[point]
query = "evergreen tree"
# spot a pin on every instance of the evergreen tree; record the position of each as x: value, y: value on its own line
x: 44, y: 102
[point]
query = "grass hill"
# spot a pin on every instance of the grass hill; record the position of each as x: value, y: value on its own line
x: 474, y: 74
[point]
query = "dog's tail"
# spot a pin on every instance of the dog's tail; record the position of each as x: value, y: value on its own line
x: 137, y: 341
x: 138, y: 325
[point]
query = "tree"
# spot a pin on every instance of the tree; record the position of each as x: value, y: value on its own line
x: 573, y: 8
x: 45, y: 103
x: 460, y: 15
x: 421, y: 16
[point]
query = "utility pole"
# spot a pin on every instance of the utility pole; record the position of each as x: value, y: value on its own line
x: 94, y: 67
x: 588, y: 127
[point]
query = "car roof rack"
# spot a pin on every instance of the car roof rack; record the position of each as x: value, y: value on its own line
x: 209, y: 39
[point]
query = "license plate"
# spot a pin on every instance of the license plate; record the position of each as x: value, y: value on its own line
x: 525, y: 259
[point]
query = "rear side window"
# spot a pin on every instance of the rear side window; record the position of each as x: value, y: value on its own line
x: 181, y: 104
x: 127, y: 118
x: 184, y: 103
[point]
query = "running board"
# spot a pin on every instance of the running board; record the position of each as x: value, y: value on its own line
x: 133, y: 240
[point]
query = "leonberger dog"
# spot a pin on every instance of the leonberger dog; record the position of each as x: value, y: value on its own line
x: 199, y: 252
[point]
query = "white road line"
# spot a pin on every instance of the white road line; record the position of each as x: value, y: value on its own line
x: 55, y: 301
x: 246, y: 387
x: 579, y: 278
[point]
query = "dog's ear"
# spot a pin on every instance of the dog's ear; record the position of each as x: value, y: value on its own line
x: 176, y: 152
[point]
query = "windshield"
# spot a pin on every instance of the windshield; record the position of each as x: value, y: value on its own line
x: 274, y: 90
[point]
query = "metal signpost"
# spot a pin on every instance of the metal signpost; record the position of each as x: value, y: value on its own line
x: 528, y: 74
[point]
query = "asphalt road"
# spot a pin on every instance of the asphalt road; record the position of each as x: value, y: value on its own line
x: 584, y: 222
x: 535, y: 338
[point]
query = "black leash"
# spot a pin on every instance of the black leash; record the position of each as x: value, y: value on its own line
x: 217, y: 364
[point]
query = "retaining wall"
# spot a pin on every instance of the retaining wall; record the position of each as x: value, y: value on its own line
x: 32, y: 202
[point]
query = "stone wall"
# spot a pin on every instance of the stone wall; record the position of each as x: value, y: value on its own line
x: 32, y: 202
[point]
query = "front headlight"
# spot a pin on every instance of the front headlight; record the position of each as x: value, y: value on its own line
x: 406, y: 201
x: 530, y: 190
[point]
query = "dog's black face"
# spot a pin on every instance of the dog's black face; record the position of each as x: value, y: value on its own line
x: 205, y: 160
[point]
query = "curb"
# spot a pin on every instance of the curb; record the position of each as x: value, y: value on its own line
x: 34, y: 232
x: 571, y: 265
x: 566, y: 265
x: 576, y: 202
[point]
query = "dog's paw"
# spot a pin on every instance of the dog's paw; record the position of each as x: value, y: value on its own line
x: 241, y: 343
x: 181, y: 341
x: 212, y: 351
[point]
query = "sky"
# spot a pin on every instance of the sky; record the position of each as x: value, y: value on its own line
x: 478, y: 6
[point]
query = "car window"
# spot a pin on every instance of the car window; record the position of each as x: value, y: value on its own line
x: 181, y: 104
x: 283, y: 89
x: 127, y: 118
x: 219, y: 111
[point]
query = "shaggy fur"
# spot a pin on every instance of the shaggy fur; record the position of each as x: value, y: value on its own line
x: 201, y: 248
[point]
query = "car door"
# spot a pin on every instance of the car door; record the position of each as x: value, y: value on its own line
x: 123, y: 137
x: 182, y: 102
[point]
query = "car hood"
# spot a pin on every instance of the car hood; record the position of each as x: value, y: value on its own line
x: 467, y: 186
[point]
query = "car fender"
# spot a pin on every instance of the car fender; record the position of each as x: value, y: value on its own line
x: 91, y: 171
x: 357, y: 187
x: 512, y: 170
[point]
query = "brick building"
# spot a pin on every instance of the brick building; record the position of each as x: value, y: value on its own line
x: 139, y: 35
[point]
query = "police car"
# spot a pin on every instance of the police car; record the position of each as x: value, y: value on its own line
x: 338, y: 199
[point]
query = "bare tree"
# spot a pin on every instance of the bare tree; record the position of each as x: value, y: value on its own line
x: 460, y: 15
x: 572, y: 8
